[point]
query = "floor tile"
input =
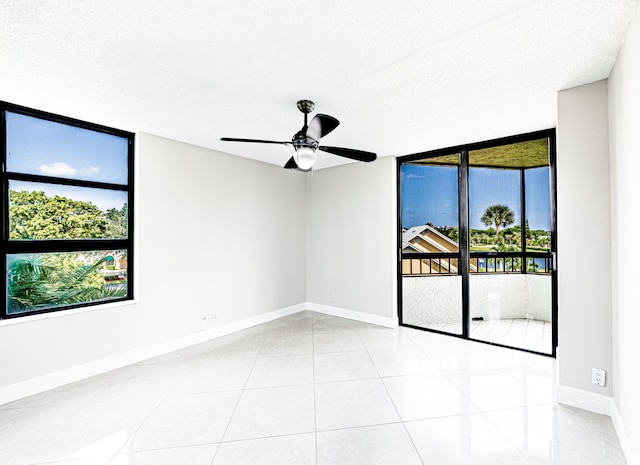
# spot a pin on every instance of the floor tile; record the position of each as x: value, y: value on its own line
x: 272, y: 412
x: 185, y: 420
x: 373, y: 445
x: 292, y: 328
x: 345, y: 404
x: 216, y: 374
x: 522, y: 333
x: 401, y: 361
x: 297, y: 449
x: 155, y: 381
x: 62, y: 432
x: 462, y: 439
x: 287, y: 370
x: 336, y: 342
x: 191, y: 455
x: 343, y: 366
x: 385, y: 338
x: 104, y: 460
x: 333, y: 325
x: 557, y: 434
x: 495, y: 390
x: 541, y: 379
x: 237, y: 346
x: 287, y: 345
x: 426, y: 396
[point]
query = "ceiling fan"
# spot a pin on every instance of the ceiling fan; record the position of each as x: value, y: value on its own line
x: 305, y: 141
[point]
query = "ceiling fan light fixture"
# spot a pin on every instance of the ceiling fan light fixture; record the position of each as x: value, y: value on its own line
x: 305, y: 157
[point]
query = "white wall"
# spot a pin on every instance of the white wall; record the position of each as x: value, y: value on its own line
x: 584, y: 234
x: 231, y: 228
x: 216, y: 233
x: 352, y: 239
x: 624, y: 134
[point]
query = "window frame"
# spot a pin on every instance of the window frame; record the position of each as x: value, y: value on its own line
x: 11, y: 247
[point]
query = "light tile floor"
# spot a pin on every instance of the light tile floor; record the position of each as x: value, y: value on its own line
x: 313, y: 389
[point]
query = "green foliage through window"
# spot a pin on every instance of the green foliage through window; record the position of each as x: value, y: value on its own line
x: 34, y: 215
x: 37, y: 281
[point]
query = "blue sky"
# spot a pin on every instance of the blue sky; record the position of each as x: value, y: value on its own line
x: 36, y: 146
x: 41, y: 147
x: 430, y: 194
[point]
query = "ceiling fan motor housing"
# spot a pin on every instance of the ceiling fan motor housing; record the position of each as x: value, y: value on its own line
x: 302, y: 140
x: 306, y: 106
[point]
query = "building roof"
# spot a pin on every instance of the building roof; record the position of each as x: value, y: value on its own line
x: 424, y: 239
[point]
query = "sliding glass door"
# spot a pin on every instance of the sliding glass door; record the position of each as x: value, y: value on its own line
x: 432, y: 282
x: 477, y: 236
x: 510, y: 292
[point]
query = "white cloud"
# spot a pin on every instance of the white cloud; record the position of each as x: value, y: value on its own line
x: 57, y: 168
x: 91, y: 170
x: 60, y: 168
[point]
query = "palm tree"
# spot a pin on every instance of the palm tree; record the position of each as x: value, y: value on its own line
x: 36, y: 283
x: 498, y: 215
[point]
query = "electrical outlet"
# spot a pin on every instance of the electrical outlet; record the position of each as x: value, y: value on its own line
x: 598, y: 376
x: 213, y: 316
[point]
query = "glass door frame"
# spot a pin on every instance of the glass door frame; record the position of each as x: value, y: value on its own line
x: 463, y: 224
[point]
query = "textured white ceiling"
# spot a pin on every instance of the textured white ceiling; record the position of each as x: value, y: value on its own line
x: 402, y: 77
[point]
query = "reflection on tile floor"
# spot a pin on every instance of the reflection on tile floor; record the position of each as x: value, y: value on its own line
x: 313, y: 389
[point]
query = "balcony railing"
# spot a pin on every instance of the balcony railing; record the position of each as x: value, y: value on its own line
x: 429, y: 264
x: 423, y: 264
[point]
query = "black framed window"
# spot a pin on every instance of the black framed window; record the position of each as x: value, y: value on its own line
x: 67, y: 212
x: 491, y: 276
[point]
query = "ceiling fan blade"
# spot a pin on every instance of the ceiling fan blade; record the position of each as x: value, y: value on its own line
x: 359, y: 155
x: 321, y: 125
x: 291, y: 164
x: 233, y: 139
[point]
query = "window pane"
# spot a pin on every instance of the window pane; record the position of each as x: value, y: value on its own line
x: 538, y: 209
x: 430, y: 205
x: 42, y: 147
x: 431, y: 284
x: 510, y: 296
x: 52, y: 211
x: 494, y: 210
x: 47, y: 280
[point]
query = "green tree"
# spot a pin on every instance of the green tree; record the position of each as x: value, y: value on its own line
x: 117, y: 222
x: 34, y: 215
x: 454, y: 234
x: 498, y: 215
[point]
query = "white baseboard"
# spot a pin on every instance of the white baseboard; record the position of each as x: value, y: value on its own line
x: 628, y: 447
x: 353, y: 315
x: 585, y: 400
x: 43, y: 383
